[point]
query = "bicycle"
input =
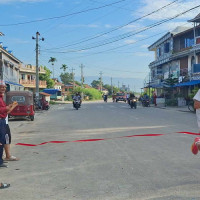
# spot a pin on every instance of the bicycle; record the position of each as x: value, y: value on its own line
x: 191, y: 106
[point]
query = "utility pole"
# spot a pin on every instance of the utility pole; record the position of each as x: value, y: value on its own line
x: 118, y: 84
x: 111, y: 86
x: 37, y: 65
x: 101, y: 81
x: 82, y: 79
x: 73, y: 77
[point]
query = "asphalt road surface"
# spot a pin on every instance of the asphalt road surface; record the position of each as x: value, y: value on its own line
x: 114, y: 168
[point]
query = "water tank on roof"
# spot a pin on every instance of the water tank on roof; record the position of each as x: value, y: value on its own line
x: 5, y: 48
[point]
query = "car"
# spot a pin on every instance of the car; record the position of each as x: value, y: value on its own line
x: 120, y: 97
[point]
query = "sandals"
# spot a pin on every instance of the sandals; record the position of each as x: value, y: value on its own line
x: 4, y: 185
x: 12, y: 158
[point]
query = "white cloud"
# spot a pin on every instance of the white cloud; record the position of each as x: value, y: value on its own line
x: 108, y: 26
x: 170, y: 11
x: 144, y: 46
x: 130, y: 41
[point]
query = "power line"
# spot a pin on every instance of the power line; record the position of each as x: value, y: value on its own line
x: 117, y: 28
x: 57, y: 17
x: 129, y: 34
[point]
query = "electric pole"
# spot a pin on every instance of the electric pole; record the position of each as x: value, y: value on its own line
x: 82, y: 79
x: 101, y: 81
x: 118, y: 84
x: 111, y: 87
x: 73, y: 77
x: 37, y: 65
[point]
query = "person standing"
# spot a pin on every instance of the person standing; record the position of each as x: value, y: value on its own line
x: 196, y: 144
x: 154, y: 98
x: 3, y: 113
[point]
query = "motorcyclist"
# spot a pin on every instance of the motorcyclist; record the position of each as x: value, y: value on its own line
x: 77, y: 97
x: 131, y: 97
x: 145, y: 100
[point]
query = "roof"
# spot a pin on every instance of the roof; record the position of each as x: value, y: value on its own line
x: 196, y: 19
x: 51, y: 91
x: 45, y: 94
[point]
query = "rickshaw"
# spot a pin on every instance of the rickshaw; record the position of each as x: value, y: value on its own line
x: 25, y: 102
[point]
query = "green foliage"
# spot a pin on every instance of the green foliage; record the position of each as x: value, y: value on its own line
x: 66, y: 77
x: 172, y: 102
x: 64, y: 67
x: 52, y: 60
x: 46, y: 77
x: 52, y: 102
x: 93, y: 94
x: 95, y: 83
x: 194, y: 91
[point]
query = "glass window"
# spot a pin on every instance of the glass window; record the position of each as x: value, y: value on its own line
x: 19, y: 99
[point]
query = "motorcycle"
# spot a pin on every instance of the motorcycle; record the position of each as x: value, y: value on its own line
x: 76, y: 104
x: 133, y: 103
x: 145, y: 103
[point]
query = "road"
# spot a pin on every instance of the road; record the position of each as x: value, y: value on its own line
x: 114, y: 168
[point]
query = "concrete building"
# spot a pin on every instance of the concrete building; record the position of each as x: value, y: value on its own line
x: 27, y: 77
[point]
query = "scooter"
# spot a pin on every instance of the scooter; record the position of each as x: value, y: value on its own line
x: 145, y: 103
x: 76, y: 104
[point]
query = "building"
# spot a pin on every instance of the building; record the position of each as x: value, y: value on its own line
x: 177, y: 55
x: 9, y: 68
x: 28, y: 77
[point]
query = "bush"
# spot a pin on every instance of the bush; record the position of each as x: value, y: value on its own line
x: 92, y: 93
x: 52, y: 102
x: 171, y: 102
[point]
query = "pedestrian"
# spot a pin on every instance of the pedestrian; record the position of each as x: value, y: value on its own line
x: 4, y: 185
x: 196, y: 144
x: 3, y: 113
x: 8, y: 155
x: 154, y: 98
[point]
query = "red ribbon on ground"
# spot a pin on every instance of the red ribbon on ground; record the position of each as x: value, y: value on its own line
x: 94, y: 140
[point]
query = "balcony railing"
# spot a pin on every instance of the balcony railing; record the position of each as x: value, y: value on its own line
x: 32, y: 83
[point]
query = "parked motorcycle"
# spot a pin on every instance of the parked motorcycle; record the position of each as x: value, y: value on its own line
x: 77, y: 104
x: 133, y: 103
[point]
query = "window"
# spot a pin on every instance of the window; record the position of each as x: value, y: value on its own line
x: 166, y: 47
x: 19, y: 99
x: 23, y: 76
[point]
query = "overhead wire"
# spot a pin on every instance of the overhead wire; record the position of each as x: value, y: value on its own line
x: 57, y: 17
x: 117, y: 28
x: 129, y: 34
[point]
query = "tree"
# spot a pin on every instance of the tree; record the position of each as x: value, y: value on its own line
x: 52, y: 60
x: 170, y: 82
x: 64, y: 67
x: 66, y: 77
x: 95, y: 83
x: 46, y: 77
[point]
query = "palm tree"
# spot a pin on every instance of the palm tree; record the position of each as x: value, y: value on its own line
x: 52, y: 60
x: 64, y: 67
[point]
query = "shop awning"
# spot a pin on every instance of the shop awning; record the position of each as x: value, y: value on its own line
x: 12, y: 83
x: 193, y: 82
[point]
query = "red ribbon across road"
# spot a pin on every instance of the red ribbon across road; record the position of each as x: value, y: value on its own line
x: 94, y: 140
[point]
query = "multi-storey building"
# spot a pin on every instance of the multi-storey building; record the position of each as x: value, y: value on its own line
x: 177, y: 54
x: 9, y: 68
x: 28, y: 77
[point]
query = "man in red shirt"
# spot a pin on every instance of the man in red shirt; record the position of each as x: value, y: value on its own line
x: 3, y: 113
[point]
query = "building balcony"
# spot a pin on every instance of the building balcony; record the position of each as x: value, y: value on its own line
x: 32, y: 83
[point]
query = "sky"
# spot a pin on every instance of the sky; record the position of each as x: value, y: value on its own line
x: 108, y: 36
